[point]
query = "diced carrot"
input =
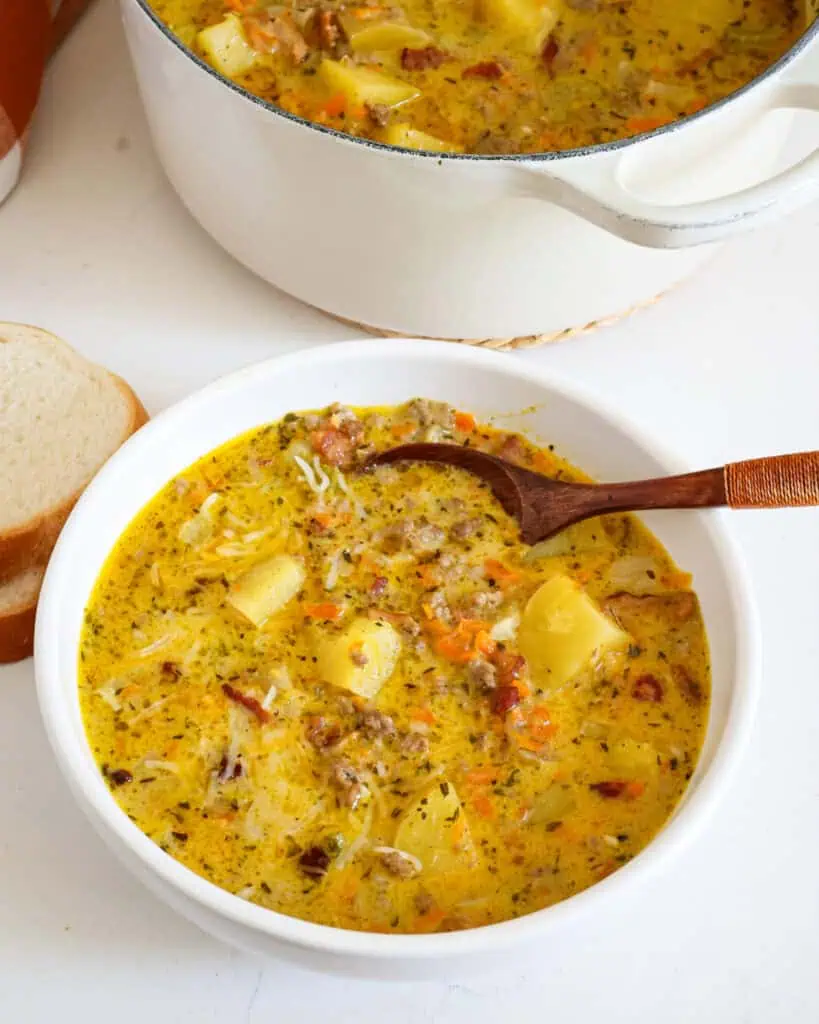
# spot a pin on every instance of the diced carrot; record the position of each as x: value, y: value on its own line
x: 589, y: 50
x: 640, y: 125
x: 484, y: 642
x: 402, y: 430
x: 676, y: 580
x: 465, y: 422
x: 635, y: 788
x: 455, y: 647
x: 428, y: 575
x: 366, y: 12
x: 358, y: 113
x: 529, y: 743
x: 500, y: 573
x: 423, y: 715
x: 325, y: 610
x: 429, y: 922
x: 335, y: 105
x: 696, y: 105
x: 483, y: 805
x: 324, y: 519
x: 237, y: 5
x: 480, y: 776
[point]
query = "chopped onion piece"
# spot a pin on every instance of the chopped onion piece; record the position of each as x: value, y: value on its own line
x: 506, y: 628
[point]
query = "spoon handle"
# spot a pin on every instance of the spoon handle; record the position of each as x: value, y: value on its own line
x: 781, y: 481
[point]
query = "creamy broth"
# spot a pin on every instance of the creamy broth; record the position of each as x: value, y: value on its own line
x: 490, y: 76
x: 359, y: 699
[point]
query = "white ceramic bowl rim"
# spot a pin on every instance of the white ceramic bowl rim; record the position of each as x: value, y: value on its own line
x: 801, y: 43
x: 89, y: 782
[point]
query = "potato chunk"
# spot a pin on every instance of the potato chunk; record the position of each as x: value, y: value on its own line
x: 435, y: 830
x: 225, y: 47
x: 266, y: 588
x: 527, y: 20
x: 365, y: 85
x: 561, y: 629
x: 361, y: 658
x: 629, y: 759
x: 384, y: 36
x: 409, y: 138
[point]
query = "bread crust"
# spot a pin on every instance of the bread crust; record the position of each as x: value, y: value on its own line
x: 17, y: 631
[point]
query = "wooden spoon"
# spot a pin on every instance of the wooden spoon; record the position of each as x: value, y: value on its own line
x: 544, y: 507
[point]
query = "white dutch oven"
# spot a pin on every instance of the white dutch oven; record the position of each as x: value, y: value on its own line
x: 467, y: 247
x: 367, y: 373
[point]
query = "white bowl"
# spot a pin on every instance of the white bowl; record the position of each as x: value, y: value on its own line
x: 367, y: 373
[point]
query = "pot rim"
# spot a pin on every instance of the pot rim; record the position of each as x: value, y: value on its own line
x: 98, y: 803
x: 804, y: 40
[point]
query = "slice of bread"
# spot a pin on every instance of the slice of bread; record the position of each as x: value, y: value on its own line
x: 18, y: 603
x: 61, y: 417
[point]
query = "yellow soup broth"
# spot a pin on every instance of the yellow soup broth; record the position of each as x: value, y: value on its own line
x: 490, y: 76
x: 357, y: 698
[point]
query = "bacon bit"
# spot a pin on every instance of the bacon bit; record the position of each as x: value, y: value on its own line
x: 504, y: 698
x: 510, y: 666
x: 423, y: 715
x: 325, y: 610
x: 170, y: 670
x: 314, y: 862
x: 331, y: 444
x: 246, y: 701
x: 120, y: 776
x: 321, y: 733
x: 483, y: 805
x: 549, y: 52
x: 329, y: 29
x: 488, y: 69
x: 648, y: 688
x: 465, y: 422
x: 611, y: 789
x: 378, y: 586
x: 402, y: 430
x: 501, y: 574
x: 420, y: 60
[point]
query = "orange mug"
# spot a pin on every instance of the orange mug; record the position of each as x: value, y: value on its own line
x: 30, y: 30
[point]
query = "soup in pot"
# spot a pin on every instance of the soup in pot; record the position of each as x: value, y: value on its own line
x: 359, y: 699
x: 489, y: 76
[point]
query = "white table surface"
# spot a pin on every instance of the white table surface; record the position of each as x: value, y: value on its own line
x: 95, y: 247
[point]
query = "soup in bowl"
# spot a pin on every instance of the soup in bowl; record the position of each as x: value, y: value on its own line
x: 324, y: 702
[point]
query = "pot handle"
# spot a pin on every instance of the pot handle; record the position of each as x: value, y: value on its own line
x: 595, y: 195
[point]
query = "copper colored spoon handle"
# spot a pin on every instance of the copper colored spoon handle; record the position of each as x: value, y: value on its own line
x: 780, y: 481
